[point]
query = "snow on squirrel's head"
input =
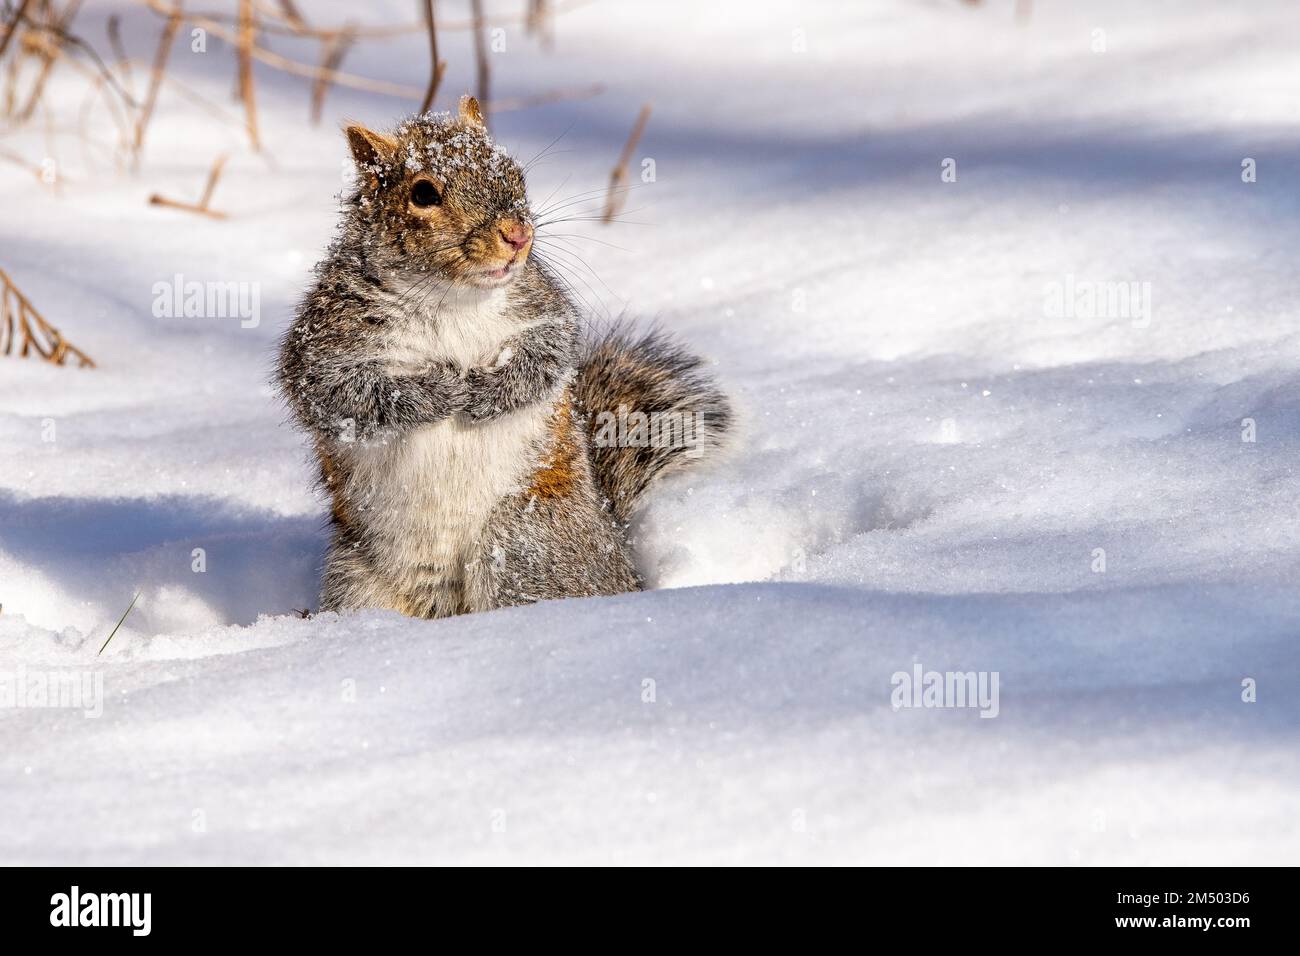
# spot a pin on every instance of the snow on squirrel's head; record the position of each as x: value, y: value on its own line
x: 440, y: 197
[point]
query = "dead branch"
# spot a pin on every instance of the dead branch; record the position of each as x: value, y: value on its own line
x: 539, y: 22
x: 436, y: 67
x: 615, y: 195
x: 41, y: 43
x: 11, y: 84
x: 49, y: 51
x: 247, y: 34
x: 211, y: 186
x: 119, y: 51
x: 291, y: 14
x: 18, y: 317
x: 156, y: 77
x: 13, y: 25
x: 202, y: 206
x: 332, y: 52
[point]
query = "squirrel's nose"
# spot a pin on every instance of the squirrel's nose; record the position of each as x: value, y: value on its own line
x: 516, y: 234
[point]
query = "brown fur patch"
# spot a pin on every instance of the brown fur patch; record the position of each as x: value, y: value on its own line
x: 332, y: 476
x: 560, y: 470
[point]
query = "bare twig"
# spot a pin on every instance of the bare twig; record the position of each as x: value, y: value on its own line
x: 213, y: 176
x: 201, y: 207
x: 49, y: 51
x: 247, y: 35
x: 119, y: 51
x: 436, y: 66
x: 539, y: 22
x: 19, y: 317
x: 11, y: 84
x: 291, y: 14
x: 332, y: 52
x: 13, y: 26
x: 59, y: 30
x: 615, y: 195
x: 156, y: 77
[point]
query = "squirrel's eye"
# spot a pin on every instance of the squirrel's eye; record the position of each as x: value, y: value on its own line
x: 425, y: 193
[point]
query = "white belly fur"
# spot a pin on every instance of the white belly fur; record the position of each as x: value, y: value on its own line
x: 427, y: 493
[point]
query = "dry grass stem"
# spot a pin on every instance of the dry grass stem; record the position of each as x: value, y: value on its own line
x: 614, y: 197
x: 23, y: 328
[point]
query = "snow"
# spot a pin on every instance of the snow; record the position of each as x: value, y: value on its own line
x: 928, y: 465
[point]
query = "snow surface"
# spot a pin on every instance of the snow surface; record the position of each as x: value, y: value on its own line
x: 927, y: 467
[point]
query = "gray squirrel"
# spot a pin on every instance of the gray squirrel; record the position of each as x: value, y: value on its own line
x: 474, y: 443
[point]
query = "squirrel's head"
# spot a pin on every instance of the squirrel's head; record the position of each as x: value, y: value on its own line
x: 443, y: 199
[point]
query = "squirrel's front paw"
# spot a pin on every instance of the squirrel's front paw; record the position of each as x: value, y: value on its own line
x: 445, y: 383
x: 483, y: 399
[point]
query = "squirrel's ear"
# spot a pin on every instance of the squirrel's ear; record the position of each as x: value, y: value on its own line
x: 368, y: 147
x: 470, y: 113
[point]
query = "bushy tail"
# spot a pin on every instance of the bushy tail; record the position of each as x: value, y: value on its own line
x: 652, y: 410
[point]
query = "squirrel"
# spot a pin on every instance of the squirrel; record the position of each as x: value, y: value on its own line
x: 472, y: 437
